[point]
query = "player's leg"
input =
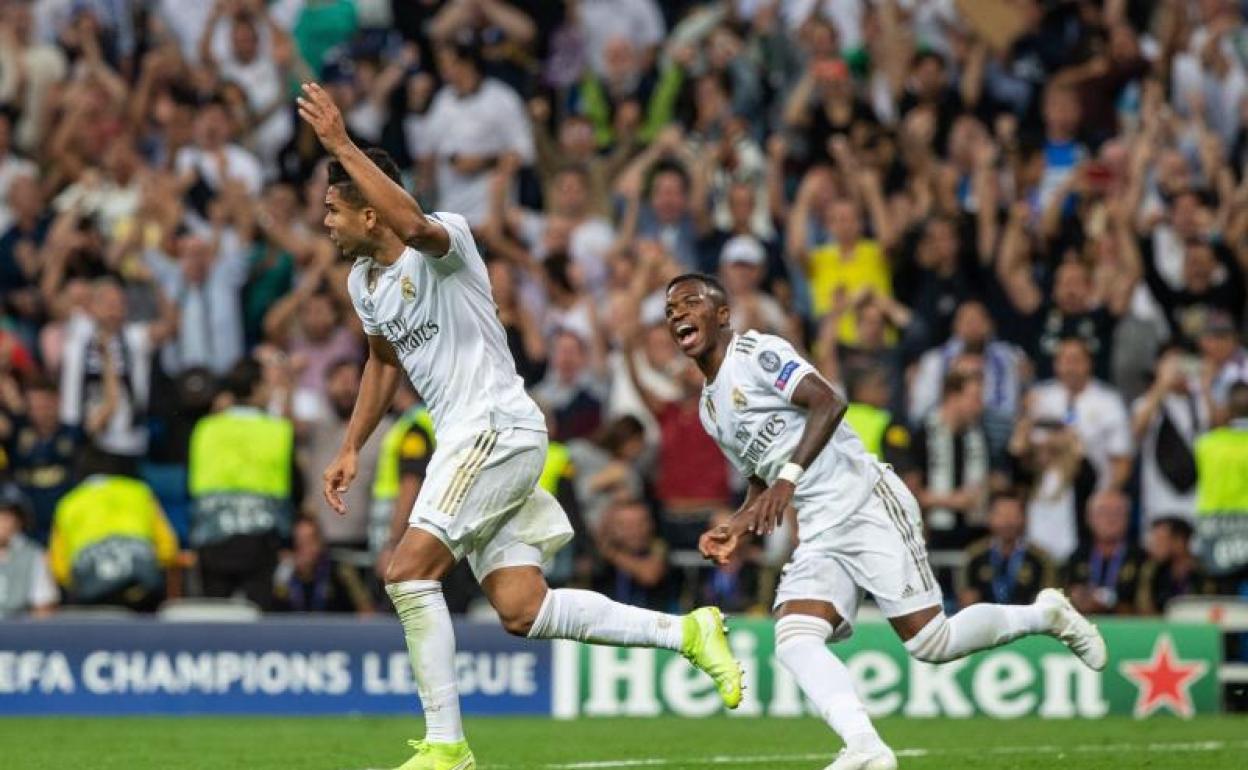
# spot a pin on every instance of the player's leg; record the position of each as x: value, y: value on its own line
x: 509, y: 569
x: 816, y: 603
x: 417, y: 566
x: 911, y: 598
x: 803, y: 629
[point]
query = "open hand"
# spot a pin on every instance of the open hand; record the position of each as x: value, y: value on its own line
x: 338, y: 477
x: 319, y: 111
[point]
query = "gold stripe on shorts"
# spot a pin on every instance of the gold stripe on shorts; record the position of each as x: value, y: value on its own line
x: 897, y: 513
x: 460, y: 470
x: 466, y: 474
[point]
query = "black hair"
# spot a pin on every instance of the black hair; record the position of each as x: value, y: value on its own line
x: 667, y: 167
x: 714, y: 288
x: 615, y: 434
x: 1008, y: 493
x: 1180, y: 528
x: 241, y: 381
x: 1237, y: 400
x: 556, y: 267
x: 347, y: 189
x: 955, y: 382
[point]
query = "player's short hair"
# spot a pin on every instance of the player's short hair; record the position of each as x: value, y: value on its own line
x: 347, y: 189
x: 714, y: 288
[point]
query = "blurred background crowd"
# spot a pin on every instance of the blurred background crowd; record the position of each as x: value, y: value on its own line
x: 1012, y: 232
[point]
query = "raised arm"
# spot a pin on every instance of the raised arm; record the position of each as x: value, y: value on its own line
x: 397, y: 209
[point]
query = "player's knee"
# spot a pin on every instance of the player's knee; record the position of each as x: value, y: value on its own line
x: 932, y: 644
x: 517, y: 620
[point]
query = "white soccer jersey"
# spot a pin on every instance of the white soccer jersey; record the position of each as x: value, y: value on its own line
x: 748, y: 410
x: 438, y: 314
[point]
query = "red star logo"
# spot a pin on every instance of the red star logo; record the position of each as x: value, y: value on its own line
x: 1163, y: 680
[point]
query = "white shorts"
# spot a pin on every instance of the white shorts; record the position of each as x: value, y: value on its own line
x: 481, y: 499
x: 878, y: 548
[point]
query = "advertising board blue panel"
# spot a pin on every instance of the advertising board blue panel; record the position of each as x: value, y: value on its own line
x: 272, y: 667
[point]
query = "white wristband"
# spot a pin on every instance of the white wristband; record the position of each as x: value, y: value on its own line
x: 790, y: 472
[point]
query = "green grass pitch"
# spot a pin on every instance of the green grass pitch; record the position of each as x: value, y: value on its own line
x: 358, y: 743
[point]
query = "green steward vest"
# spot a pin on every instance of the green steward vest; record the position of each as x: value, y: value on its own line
x: 108, y: 529
x: 240, y: 469
x: 869, y: 423
x: 386, y: 483
x: 1222, y: 498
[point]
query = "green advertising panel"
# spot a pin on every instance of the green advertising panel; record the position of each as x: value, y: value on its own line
x: 1154, y: 668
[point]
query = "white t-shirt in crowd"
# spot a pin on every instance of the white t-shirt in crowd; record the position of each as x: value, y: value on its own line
x: 1098, y: 416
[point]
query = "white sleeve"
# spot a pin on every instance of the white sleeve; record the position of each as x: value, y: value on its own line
x: 43, y: 592
x: 462, y: 249
x: 355, y: 287
x: 777, y: 366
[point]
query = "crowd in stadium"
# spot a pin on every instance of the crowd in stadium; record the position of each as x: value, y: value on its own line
x: 1013, y: 233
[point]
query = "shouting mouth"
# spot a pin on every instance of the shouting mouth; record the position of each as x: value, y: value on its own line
x: 687, y: 336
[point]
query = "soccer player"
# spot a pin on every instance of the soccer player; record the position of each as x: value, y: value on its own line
x: 858, y: 526
x: 422, y: 292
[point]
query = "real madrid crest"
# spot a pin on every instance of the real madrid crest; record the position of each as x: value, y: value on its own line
x: 407, y: 289
x: 738, y: 399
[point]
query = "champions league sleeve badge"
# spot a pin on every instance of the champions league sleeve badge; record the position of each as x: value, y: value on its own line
x: 769, y: 361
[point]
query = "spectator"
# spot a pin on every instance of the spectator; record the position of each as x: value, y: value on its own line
x: 606, y: 467
x: 242, y: 486
x: 571, y: 389
x: 949, y: 465
x: 43, y: 67
x: 1004, y: 567
x: 106, y: 374
x: 1166, y: 421
x: 520, y: 323
x: 972, y: 332
x: 1201, y: 291
x: 308, y: 323
x: 111, y: 542
x: 41, y: 450
x: 634, y: 560
x: 1224, y: 362
x: 474, y: 120
x: 1048, y: 458
x: 1105, y: 575
x: 661, y: 175
x: 214, y: 158
x: 885, y: 437
x: 204, y: 280
x: 26, y: 585
x: 1095, y: 411
x: 321, y: 444
x: 744, y: 263
x: 691, y: 479
x: 309, y: 580
x: 1222, y: 492
x: 1172, y: 569
x: 846, y: 264
x: 20, y: 244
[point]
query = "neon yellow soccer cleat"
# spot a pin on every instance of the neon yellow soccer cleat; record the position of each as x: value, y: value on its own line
x: 706, y: 646
x: 440, y: 756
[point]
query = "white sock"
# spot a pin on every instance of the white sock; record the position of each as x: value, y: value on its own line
x: 802, y: 648
x: 431, y: 650
x: 585, y: 616
x: 978, y: 627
